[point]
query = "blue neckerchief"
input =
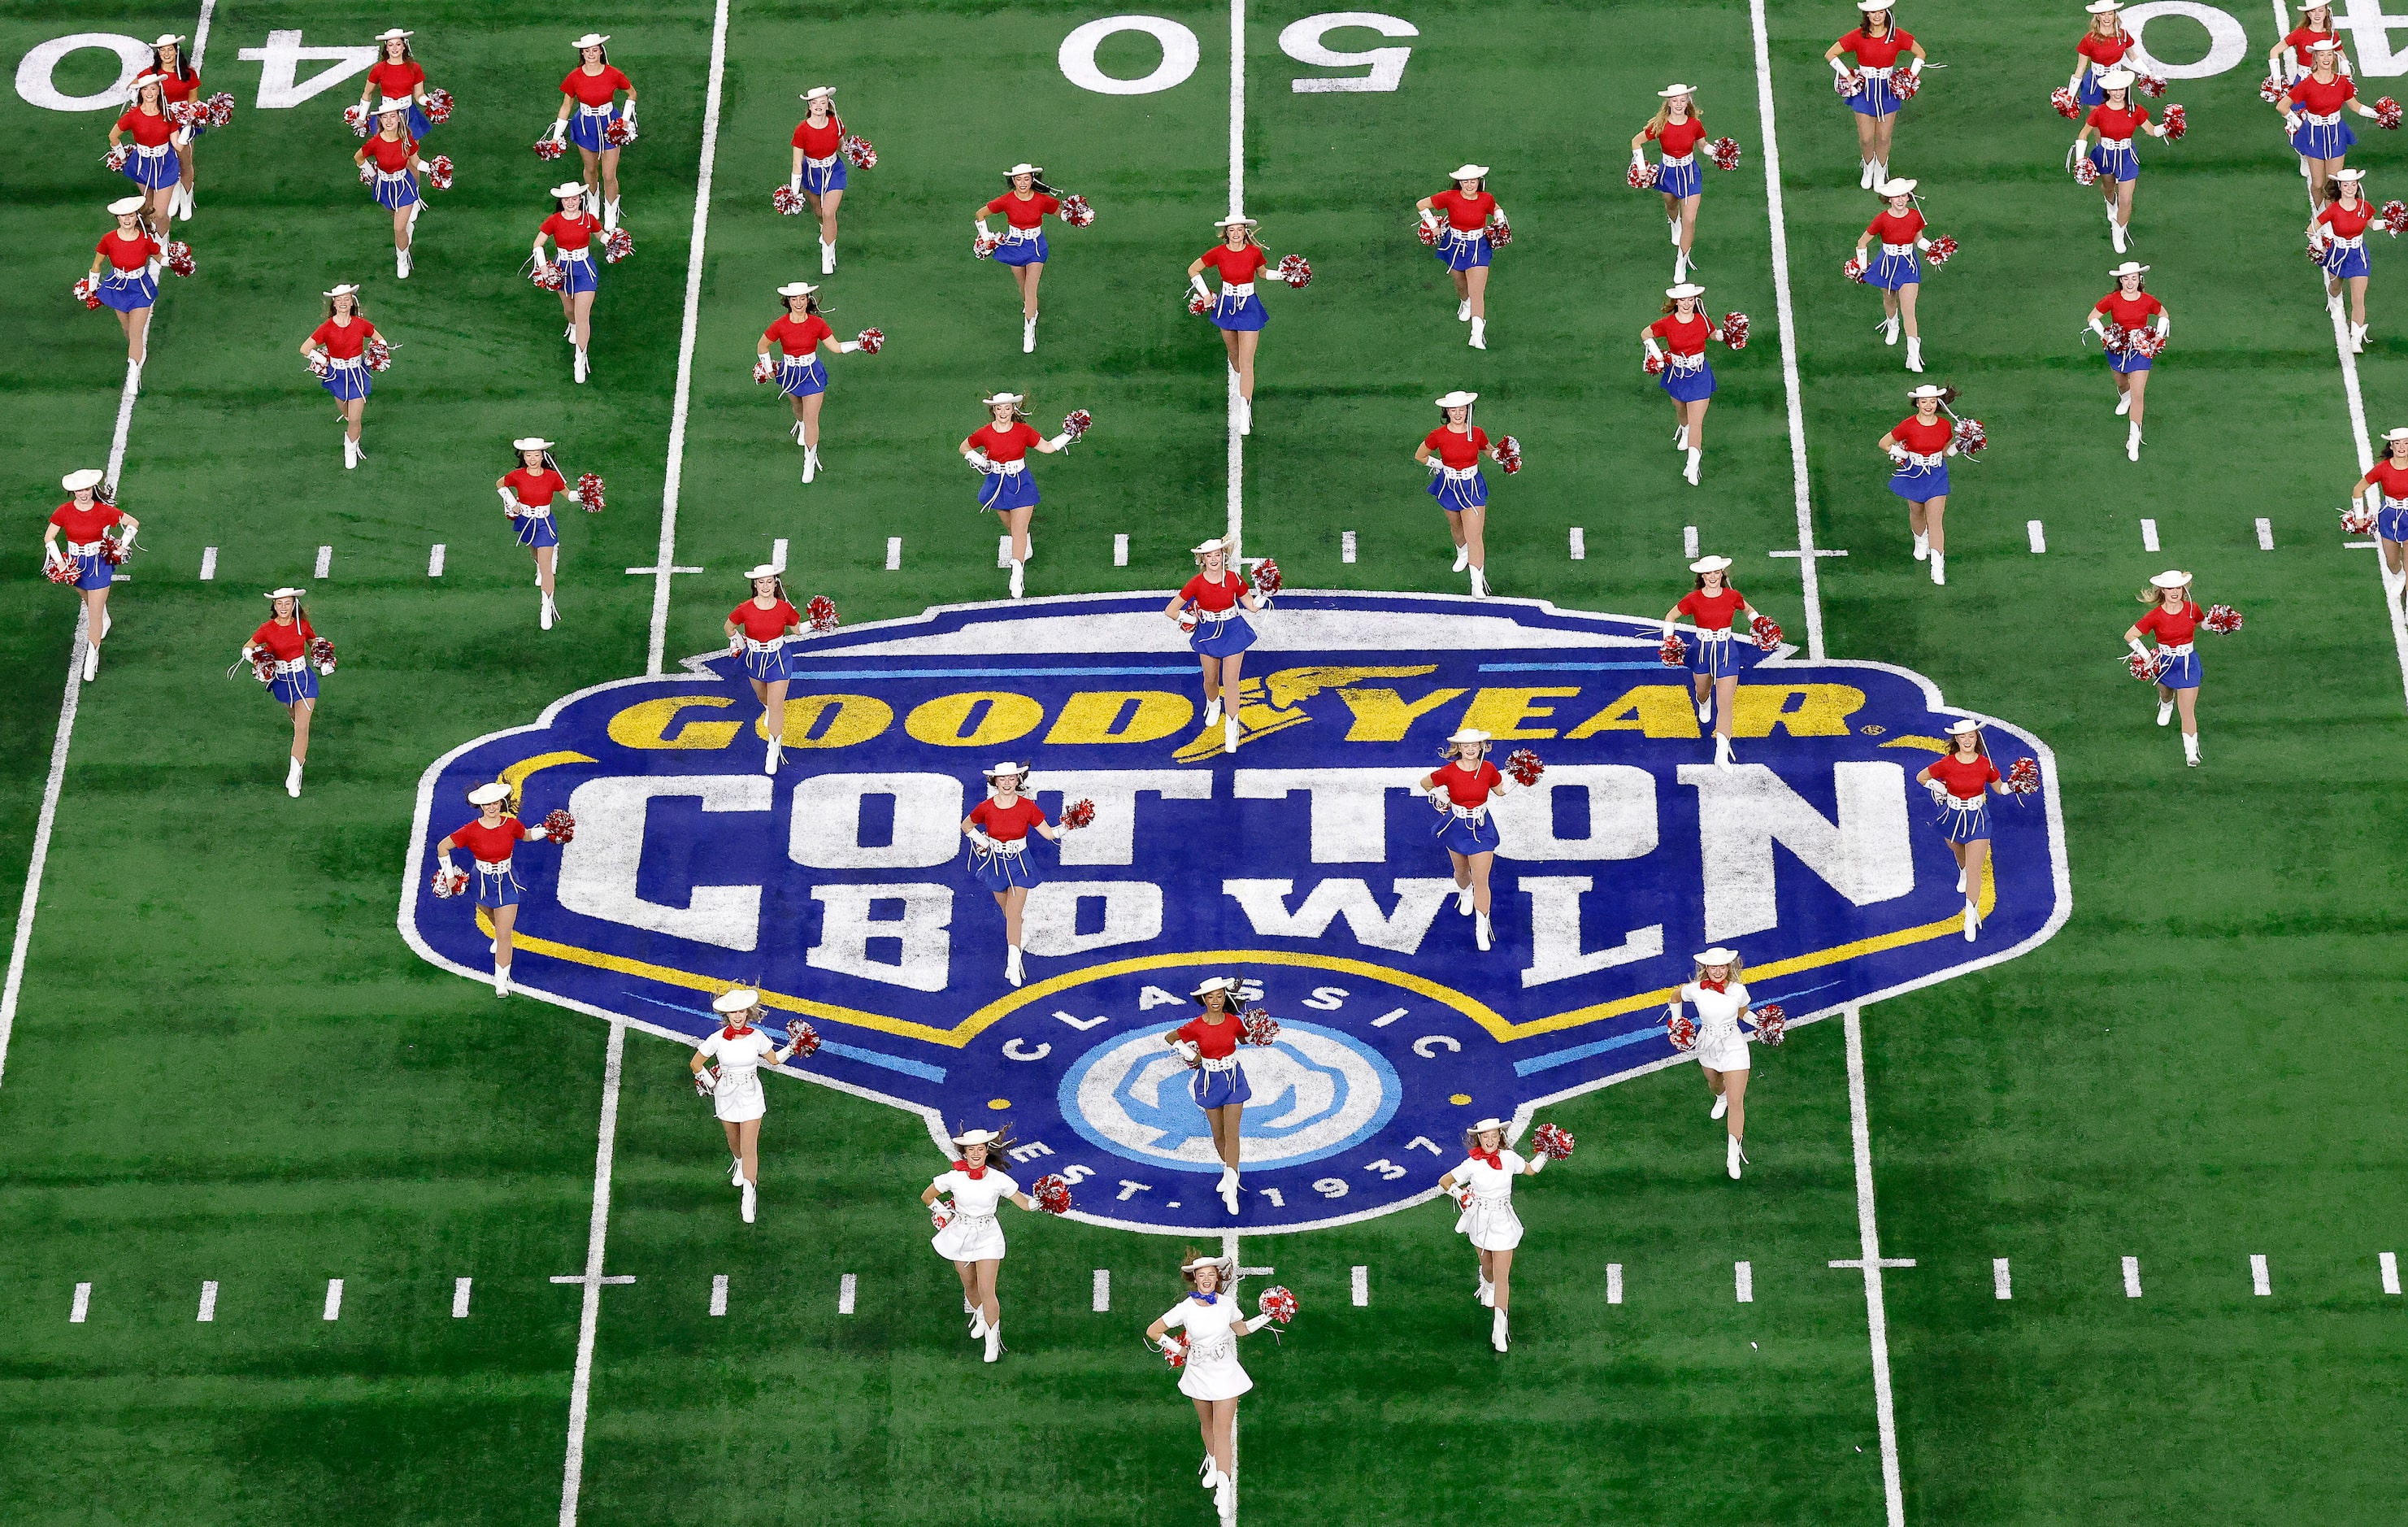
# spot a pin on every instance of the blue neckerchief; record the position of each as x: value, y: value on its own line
x: 1204, y: 1297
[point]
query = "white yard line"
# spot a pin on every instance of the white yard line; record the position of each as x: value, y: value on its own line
x: 1101, y: 1302
x: 208, y: 1310
x: 2039, y: 537
x: 81, y: 1305
x: 2131, y: 1277
x: 1743, y: 1282
x: 2148, y: 535
x: 2262, y: 1283
x: 1578, y: 541
x: 1809, y: 561
x: 333, y: 1310
x: 2389, y: 1263
x: 1614, y: 1283
x: 580, y: 1386
x: 1237, y: 201
x: 460, y: 1290
x: 848, y: 1288
x: 665, y: 566
x: 1872, y: 1263
x: 1362, y: 1287
x: 2002, y: 1278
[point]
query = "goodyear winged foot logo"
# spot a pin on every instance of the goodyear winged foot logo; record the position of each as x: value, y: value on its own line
x: 1305, y: 863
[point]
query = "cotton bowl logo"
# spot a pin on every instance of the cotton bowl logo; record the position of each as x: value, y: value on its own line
x: 1304, y: 864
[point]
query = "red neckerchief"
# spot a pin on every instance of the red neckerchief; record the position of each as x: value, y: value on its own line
x: 1487, y: 1156
x: 1713, y: 986
x: 733, y: 1031
x: 973, y: 1172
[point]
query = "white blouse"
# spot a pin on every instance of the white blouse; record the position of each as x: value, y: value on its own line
x: 738, y: 1058
x: 977, y: 1198
x: 1717, y: 1013
x: 1208, y: 1326
x: 1487, y: 1181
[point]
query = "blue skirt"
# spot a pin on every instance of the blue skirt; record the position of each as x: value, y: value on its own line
x: 2316, y: 141
x: 153, y: 174
x: 1891, y: 271
x: 537, y: 532
x: 2391, y: 521
x: 1681, y: 181
x: 420, y: 124
x: 2127, y: 361
x: 1461, y: 251
x: 2120, y: 165
x: 1245, y: 314
x: 818, y: 181
x: 769, y: 667
x: 292, y: 688
x: 1467, y: 835
x: 1005, y: 491
x: 1218, y: 1089
x: 586, y: 132
x: 1713, y: 660
x: 494, y: 890
x: 2085, y: 87
x: 92, y: 571
x: 1688, y: 386
x: 1001, y: 873
x: 1875, y: 100
x: 1970, y: 825
x: 348, y: 383
x: 2343, y: 264
x: 584, y: 275
x: 392, y: 195
x: 1920, y: 484
x: 2178, y: 672
x: 1221, y: 639
x: 1456, y: 495
x: 802, y: 378
x: 130, y: 294
x: 1021, y: 251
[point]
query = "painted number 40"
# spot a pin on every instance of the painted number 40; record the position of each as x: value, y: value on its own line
x: 1306, y: 41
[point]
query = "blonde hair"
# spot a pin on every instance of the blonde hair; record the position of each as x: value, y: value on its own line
x: 1737, y: 964
x: 2166, y: 597
x: 1221, y: 546
x: 2107, y: 23
x: 1664, y: 114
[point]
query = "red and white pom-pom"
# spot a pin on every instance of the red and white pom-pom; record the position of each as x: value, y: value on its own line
x: 2177, y: 123
x: 1641, y: 177
x: 1524, y: 766
x: 2143, y: 666
x: 1767, y: 633
x: 1296, y: 270
x: 1051, y: 1192
x: 1425, y: 231
x: 113, y: 550
x: 189, y: 113
x: 547, y: 147
x: 2356, y: 520
x: 1552, y: 1141
x: 438, y: 174
x: 2062, y: 99
x: 1501, y: 233
x: 857, y: 150
x: 1277, y: 1302
x: 1197, y: 303
x: 1971, y: 438
x: 871, y: 341
x: 764, y: 369
x: 1771, y: 1023
x: 262, y: 665
x: 2085, y: 172
x: 983, y: 246
x: 1682, y: 1031
x: 1943, y: 249
x: 619, y: 133
x: 788, y: 201
x: 1852, y: 83
x: 617, y: 245
x: 2318, y: 247
x: 1508, y: 455
x: 2387, y: 114
x: 61, y: 569
x: 1653, y: 364
x: 115, y: 158
x: 449, y: 883
x: 1174, y: 1349
x: 1079, y: 814
x: 804, y: 1038
x: 439, y: 107
x: 2148, y: 84
x: 590, y: 493
x: 1259, y: 1026
x: 2023, y: 777
x: 820, y: 616
x: 376, y: 354
x: 2116, y: 337
x: 549, y: 276
x: 2145, y: 343
x: 355, y: 117
x: 1725, y: 150
x: 2270, y: 90
x: 2395, y: 218
x: 1075, y: 212
x: 221, y: 108
x: 1076, y: 424
x: 940, y: 1213
x: 1904, y: 84
x: 559, y: 827
x: 1735, y: 330
x: 317, y: 364
x: 1674, y: 653
x: 321, y: 654
x: 1267, y: 577
x: 87, y: 290
x: 1855, y: 268
x: 367, y: 172
x: 2223, y: 619
x: 706, y: 1082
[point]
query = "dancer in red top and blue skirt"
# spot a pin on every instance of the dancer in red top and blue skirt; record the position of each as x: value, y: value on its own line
x: 572, y: 230
x: 2103, y: 47
x: 599, y: 128
x: 1921, y: 446
x: 1460, y: 219
x: 1208, y: 609
x: 1960, y: 785
x: 390, y: 157
x: 85, y: 522
x: 1898, y: 271
x: 2131, y: 342
x: 1712, y: 607
x: 337, y: 351
x: 1453, y: 452
x: 179, y: 82
x: 1025, y: 204
x: 818, y: 175
x: 528, y: 490
x: 2118, y: 121
x: 2312, y: 112
x: 999, y: 452
x: 1875, y: 45
x: 282, y: 653
x: 799, y: 335
x: 2338, y: 235
x: 1460, y: 788
x: 125, y: 276
x: 1236, y: 311
x: 490, y: 841
x: 2174, y: 619
x: 1209, y: 1043
x: 999, y: 829
x: 1678, y: 132
x: 396, y: 82
x: 150, y: 162
x: 757, y: 633
x: 2384, y: 490
x: 1686, y: 379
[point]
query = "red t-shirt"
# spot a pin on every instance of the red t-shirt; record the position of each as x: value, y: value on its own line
x: 1965, y: 780
x: 1877, y: 52
x: 762, y: 624
x: 127, y: 253
x: 596, y: 89
x: 1924, y: 439
x: 1467, y: 787
x: 1465, y: 213
x: 1007, y: 824
x: 84, y: 526
x: 1678, y: 138
x: 1237, y: 265
x: 2302, y: 40
x: 1217, y: 1040
x: 395, y: 81
x: 2390, y: 477
x: 393, y: 154
x: 1210, y: 596
x: 1023, y: 212
x: 2171, y: 628
x: 344, y: 344
x: 147, y: 130
x: 491, y: 845
x: 2117, y: 125
x: 1682, y: 336
x: 818, y: 142
x: 2105, y: 52
x: 1456, y: 448
x: 2321, y: 98
x: 1897, y: 228
x: 571, y: 230
x: 1004, y: 442
x: 798, y: 338
x: 2347, y: 222
x: 534, y: 487
x: 286, y: 643
x: 176, y: 88
x: 2131, y: 313
x: 1711, y: 611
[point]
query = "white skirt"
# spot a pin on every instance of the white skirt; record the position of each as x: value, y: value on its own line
x: 1491, y: 1223
x: 969, y: 1238
x: 1214, y: 1378
x: 1725, y: 1053
x: 739, y: 1103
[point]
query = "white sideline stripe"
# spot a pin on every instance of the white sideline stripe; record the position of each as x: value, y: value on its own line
x: 2389, y: 1262
x: 894, y: 553
x: 435, y: 561
x: 1346, y: 545
x: 326, y: 562
x: 1102, y: 1302
x: 1003, y: 550
x: 2265, y: 535
x: 665, y: 565
x: 1578, y: 545
x: 2002, y: 1282
x: 580, y: 1386
x: 333, y: 1310
x: 1743, y: 1277
x: 1229, y: 1239
x: 209, y: 563
x: 778, y: 554
x: 2148, y: 535
x: 2131, y: 1277
x: 2039, y: 537
x: 1809, y: 566
x: 1689, y: 541
x: 1869, y: 1230
x: 460, y: 1287
x: 847, y: 1287
x: 82, y: 1305
x: 1120, y: 551
x: 1237, y: 464
x: 719, y: 1295
x: 2260, y: 1282
x: 208, y: 1310
x: 1362, y: 1282
x: 1614, y: 1283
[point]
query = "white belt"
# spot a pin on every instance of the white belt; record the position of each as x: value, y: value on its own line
x: 1877, y: 74
x: 2394, y: 504
x: 350, y: 363
x: 1922, y: 462
x: 295, y: 666
x: 1022, y: 236
x: 85, y: 548
x: 1213, y: 1349
x: 1227, y: 1062
x: 1506, y: 1197
x: 152, y: 153
x: 808, y: 357
x: 1723, y: 635
x: 1480, y: 232
x: 1004, y: 469
x: 123, y: 273
x: 1215, y: 617
x: 2333, y: 242
x: 2318, y: 119
x: 2116, y: 145
x: 1001, y: 845
x: 530, y: 511
x: 810, y: 163
x: 971, y: 1219
x: 1469, y: 813
x: 495, y: 868
x: 580, y: 256
x: 1237, y: 289
x: 1898, y: 249
x: 1672, y: 160
x: 771, y: 645
x: 1687, y: 363
x: 2178, y: 650
x: 602, y: 111
x: 1957, y: 802
x: 1457, y: 474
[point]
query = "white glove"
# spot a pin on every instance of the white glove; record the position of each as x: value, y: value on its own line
x: 1429, y: 217
x: 2290, y: 121
x: 846, y: 347
x: 1538, y: 1165
x: 2098, y: 326
x: 1915, y: 68
x: 1257, y: 1322
x: 509, y: 500
x: 1638, y: 159
x: 982, y: 230
x: 1187, y: 1050
x: 1921, y: 242
x: 630, y: 116
x: 1667, y: 630
x: 1938, y: 792
x: 1497, y: 215
x: 2138, y: 650
x: 978, y: 460
x: 535, y: 835
x: 1897, y: 454
x: 795, y: 182
x: 445, y: 859
x: 2165, y: 325
x: 573, y: 497
x: 1060, y: 441
x: 1197, y: 281
x: 1439, y: 797
x: 559, y: 129
x: 1839, y: 65
x: 978, y: 836
x: 1653, y: 347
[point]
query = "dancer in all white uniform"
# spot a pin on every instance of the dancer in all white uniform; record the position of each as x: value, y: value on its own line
x: 1483, y: 1185
x: 737, y: 1050
x: 1720, y: 998
x: 971, y: 1239
x: 1211, y: 1376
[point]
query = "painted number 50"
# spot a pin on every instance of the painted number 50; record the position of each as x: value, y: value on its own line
x: 1180, y: 52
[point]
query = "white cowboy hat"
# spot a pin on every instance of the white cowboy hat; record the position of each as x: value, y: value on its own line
x: 1716, y: 956
x: 163, y: 38
x: 77, y: 480
x: 2130, y: 267
x: 486, y: 795
x: 2170, y: 579
x: 820, y: 92
x: 1687, y: 289
x: 1219, y: 1264
x: 1208, y: 547
x: 1868, y: 6
x: 1470, y: 172
x: 569, y: 188
x: 1469, y: 734
x: 743, y: 1000
x: 1711, y: 564
x: 1900, y: 187
x: 2330, y: 45
x: 2396, y: 435
x: 148, y: 77
x: 1018, y: 771
x: 796, y: 289
x: 1015, y: 399
x: 286, y: 594
x: 1487, y: 1124
x: 765, y: 570
x: 1927, y: 390
x: 1218, y: 983
x: 1671, y: 90
x: 392, y: 102
x: 531, y: 442
x: 1456, y: 399
x: 591, y: 40
x: 2349, y: 177
x: 2117, y: 80
x: 1023, y: 167
x: 124, y: 206
x: 393, y: 34
x: 2103, y: 8
x: 1235, y: 219
x: 978, y: 1137
x: 1960, y: 728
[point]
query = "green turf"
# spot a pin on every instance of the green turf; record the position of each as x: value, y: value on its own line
x: 2182, y: 1074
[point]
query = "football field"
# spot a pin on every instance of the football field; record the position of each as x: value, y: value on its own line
x: 299, y: 1225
